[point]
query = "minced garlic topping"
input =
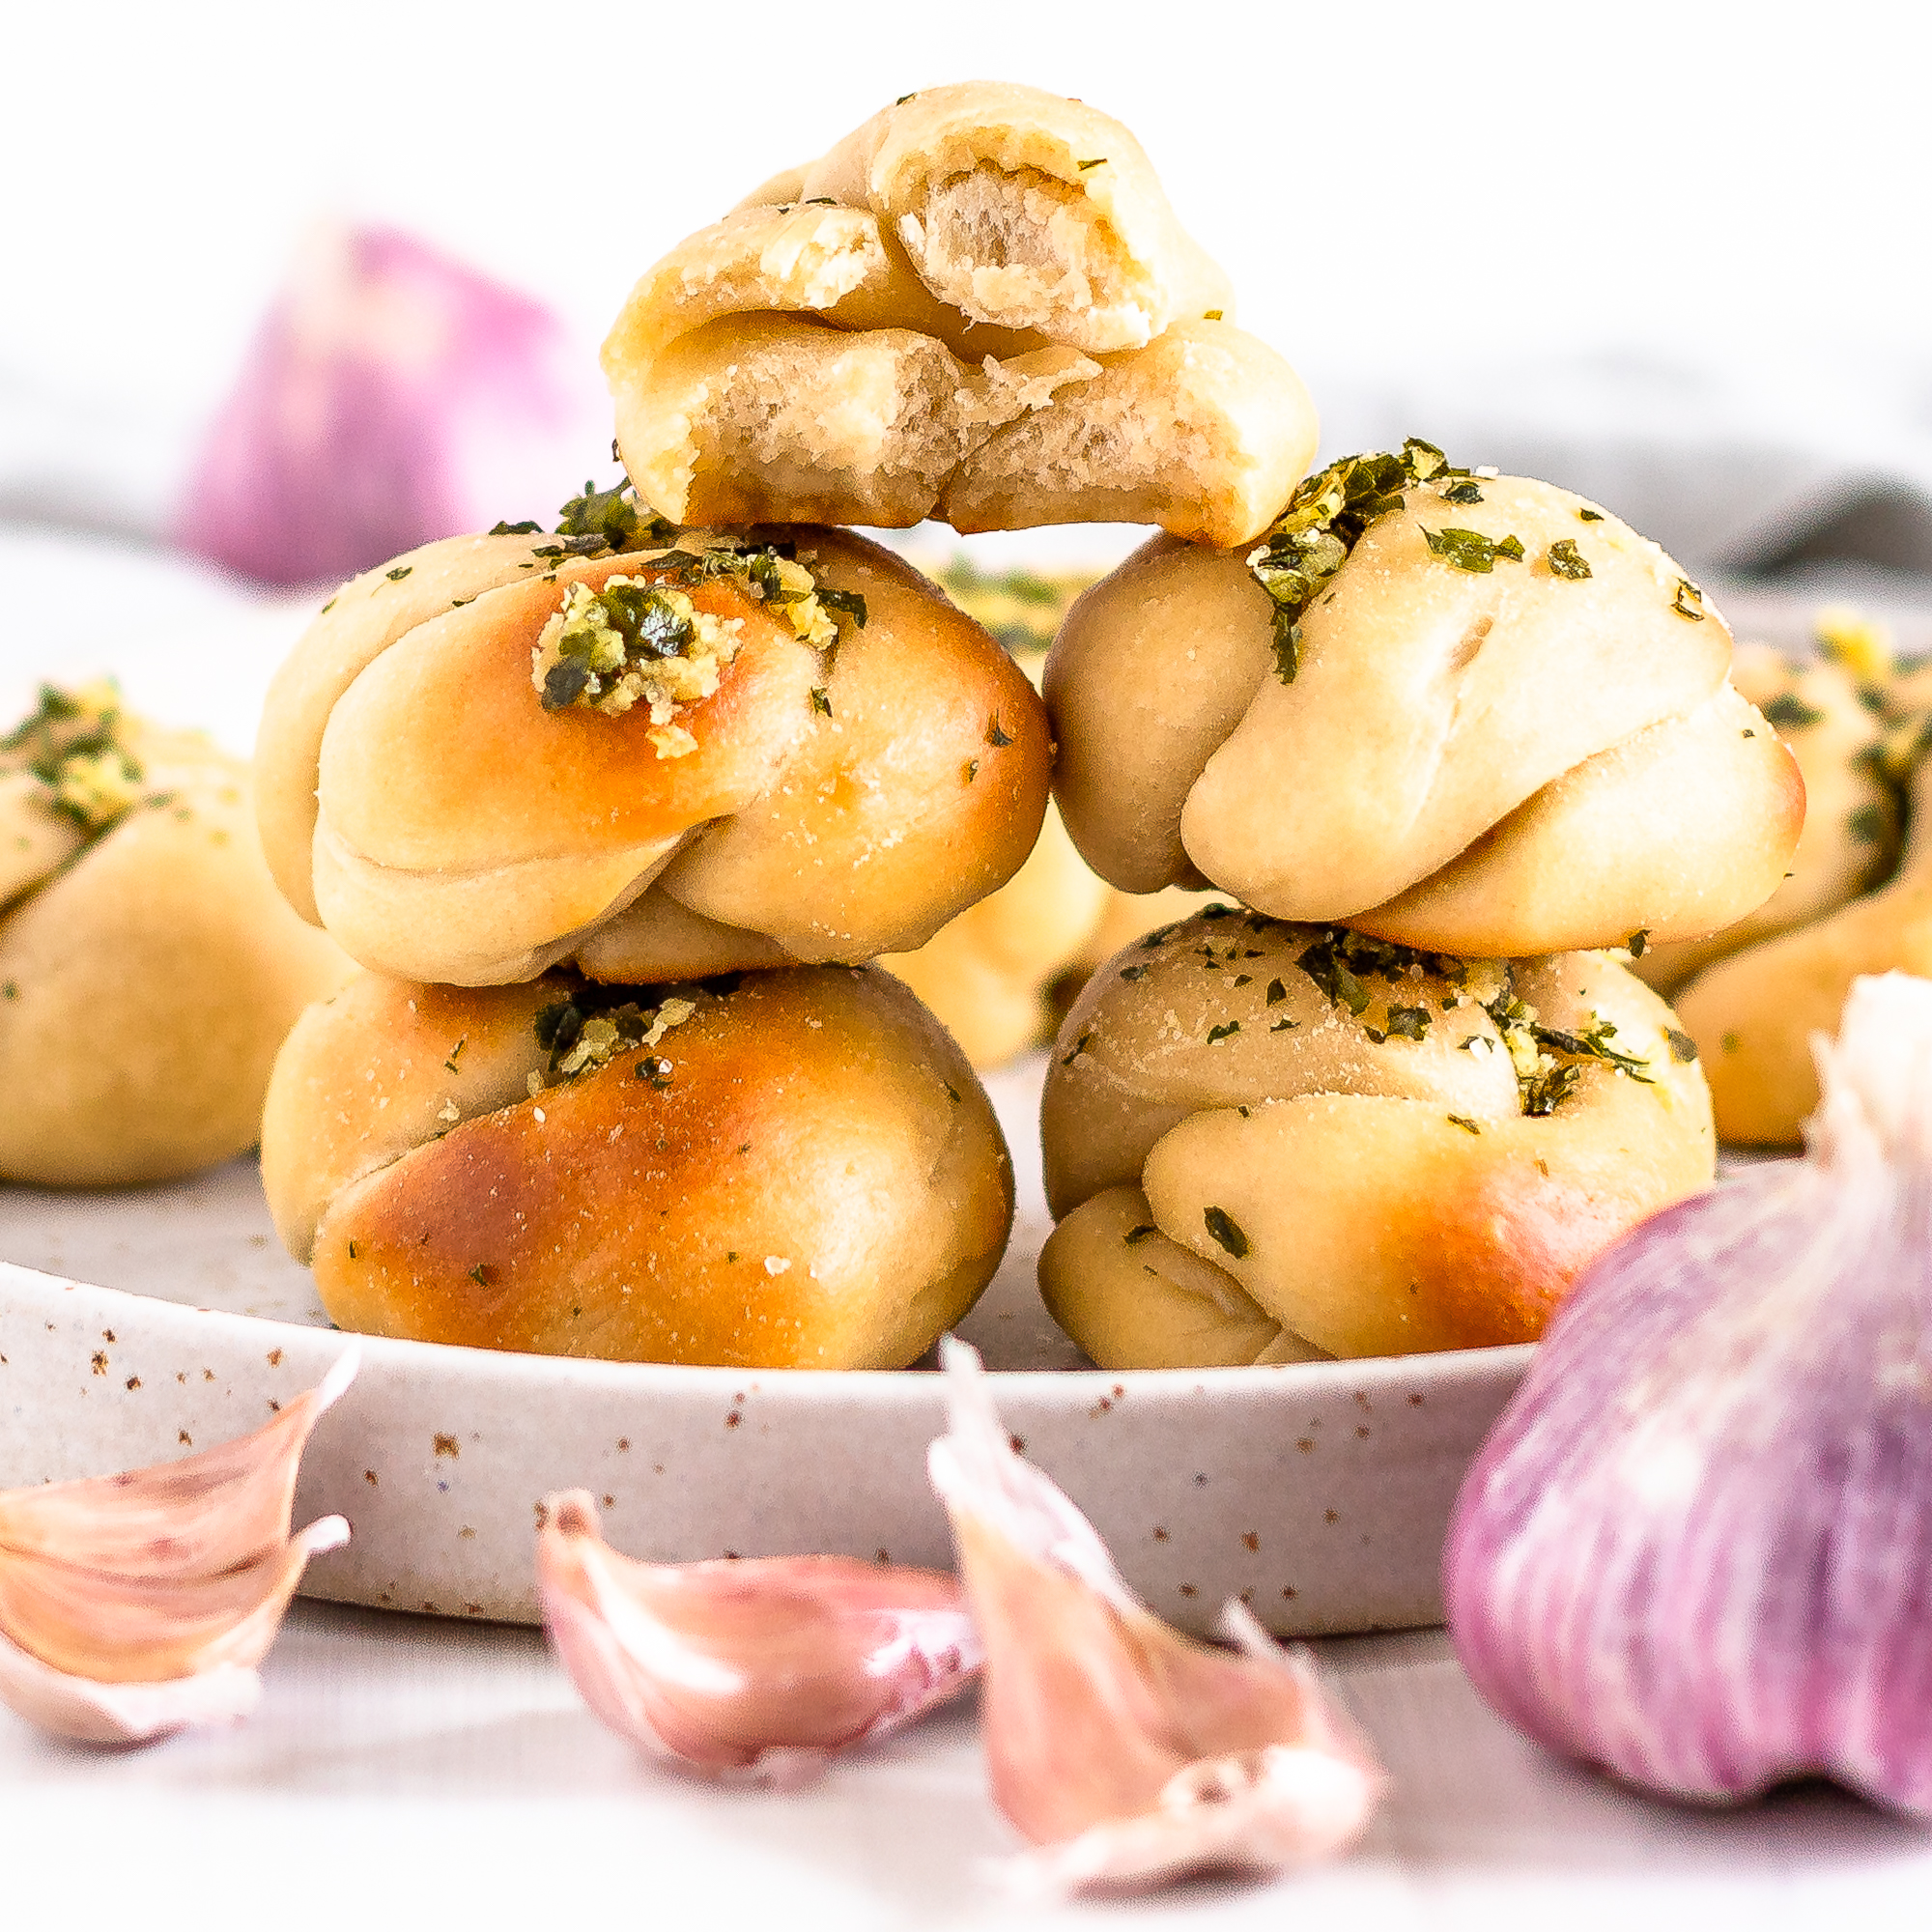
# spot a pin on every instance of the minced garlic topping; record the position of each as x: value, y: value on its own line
x: 580, y: 1036
x: 72, y: 742
x: 634, y: 642
x: 641, y: 639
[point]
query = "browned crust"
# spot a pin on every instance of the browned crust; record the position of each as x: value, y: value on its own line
x: 802, y: 1188
x: 844, y: 803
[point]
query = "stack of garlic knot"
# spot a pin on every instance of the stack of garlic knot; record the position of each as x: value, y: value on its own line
x: 1457, y: 745
x: 616, y: 816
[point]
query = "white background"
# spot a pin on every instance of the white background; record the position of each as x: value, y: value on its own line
x: 1396, y: 187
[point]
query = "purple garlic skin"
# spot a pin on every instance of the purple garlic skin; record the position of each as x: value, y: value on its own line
x: 391, y: 396
x: 1696, y: 1548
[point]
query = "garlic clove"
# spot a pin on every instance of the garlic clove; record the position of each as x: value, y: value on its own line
x: 1693, y: 1550
x: 137, y: 1604
x: 756, y: 1669
x: 1128, y: 1753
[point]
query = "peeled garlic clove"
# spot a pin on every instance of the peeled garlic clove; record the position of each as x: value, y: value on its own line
x: 391, y: 396
x: 758, y: 1668
x: 1695, y: 1549
x: 137, y: 1604
x: 1131, y: 1754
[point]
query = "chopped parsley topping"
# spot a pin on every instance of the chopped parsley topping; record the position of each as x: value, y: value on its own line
x: 995, y: 736
x: 1340, y: 960
x: 1133, y: 972
x: 1216, y: 1033
x: 1544, y: 1057
x: 1468, y: 491
x: 1683, y: 1048
x: 1407, y: 1023
x: 1471, y: 549
x: 594, y: 1025
x: 632, y: 640
x: 1689, y: 601
x: 1636, y: 942
x: 1098, y: 161
x: 1310, y: 541
x: 1567, y: 560
x: 1594, y: 1043
x: 1790, y: 712
x: 480, y: 1274
x: 1133, y: 1236
x: 1212, y: 314
x: 529, y: 529
x: 1591, y: 515
x: 1226, y: 1231
x: 74, y: 743
x: 641, y: 639
x: 1079, y: 1047
x: 1463, y: 1122
x: 612, y: 514
x: 1869, y: 825
x: 821, y: 701
x: 1276, y: 992
x: 401, y: 571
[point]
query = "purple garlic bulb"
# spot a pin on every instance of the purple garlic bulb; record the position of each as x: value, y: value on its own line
x: 1696, y: 1547
x: 391, y: 396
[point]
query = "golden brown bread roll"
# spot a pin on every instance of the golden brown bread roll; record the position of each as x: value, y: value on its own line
x: 148, y: 969
x: 792, y: 1170
x: 1380, y: 1150
x: 1437, y: 707
x: 1850, y: 835
x: 955, y: 313
x: 1754, y: 996
x: 797, y: 750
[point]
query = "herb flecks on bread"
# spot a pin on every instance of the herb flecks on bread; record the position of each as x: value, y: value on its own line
x: 73, y: 743
x: 640, y: 639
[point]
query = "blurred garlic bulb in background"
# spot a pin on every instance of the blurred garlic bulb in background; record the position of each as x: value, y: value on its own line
x: 390, y: 396
x: 1696, y: 1547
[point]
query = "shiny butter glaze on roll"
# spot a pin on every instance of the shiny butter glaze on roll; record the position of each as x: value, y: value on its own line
x: 840, y: 761
x: 792, y: 1170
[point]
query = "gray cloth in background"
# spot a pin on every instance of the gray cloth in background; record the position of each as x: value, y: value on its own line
x: 1778, y: 485
x: 1779, y: 488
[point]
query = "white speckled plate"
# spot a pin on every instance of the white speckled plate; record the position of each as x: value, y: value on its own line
x: 1316, y: 1491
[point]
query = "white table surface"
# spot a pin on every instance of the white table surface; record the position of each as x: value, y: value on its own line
x: 405, y: 1771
